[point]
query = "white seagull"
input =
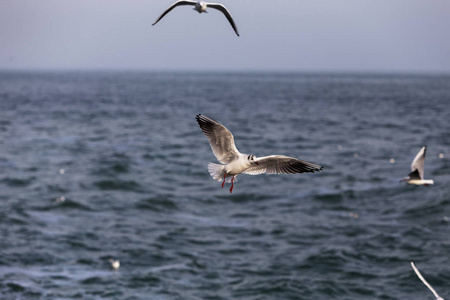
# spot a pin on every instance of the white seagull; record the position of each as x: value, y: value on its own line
x: 235, y: 163
x: 425, y: 282
x: 201, y: 6
x: 416, y: 175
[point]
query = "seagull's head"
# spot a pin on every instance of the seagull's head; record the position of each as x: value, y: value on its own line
x: 252, y: 159
x: 200, y: 6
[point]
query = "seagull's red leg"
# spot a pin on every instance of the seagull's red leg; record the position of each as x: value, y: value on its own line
x: 223, y: 183
x: 232, y: 185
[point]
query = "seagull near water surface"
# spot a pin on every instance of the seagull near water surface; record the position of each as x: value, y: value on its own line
x: 201, y: 6
x: 235, y: 163
x: 416, y: 175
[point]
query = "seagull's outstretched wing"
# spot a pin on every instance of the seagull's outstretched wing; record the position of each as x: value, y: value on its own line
x: 227, y: 14
x: 425, y: 282
x: 220, y: 139
x: 280, y: 164
x: 417, y: 164
x: 178, y: 3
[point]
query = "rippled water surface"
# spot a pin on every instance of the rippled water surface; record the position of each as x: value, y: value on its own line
x: 96, y: 166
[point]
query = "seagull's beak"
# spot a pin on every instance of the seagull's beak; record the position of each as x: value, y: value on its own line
x: 256, y: 162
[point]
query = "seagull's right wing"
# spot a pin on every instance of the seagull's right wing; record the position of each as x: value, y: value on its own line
x: 178, y: 3
x: 227, y: 14
x: 220, y: 139
x: 417, y: 164
x: 425, y: 282
x: 280, y: 164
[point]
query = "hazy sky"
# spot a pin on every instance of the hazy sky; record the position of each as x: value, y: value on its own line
x: 292, y: 35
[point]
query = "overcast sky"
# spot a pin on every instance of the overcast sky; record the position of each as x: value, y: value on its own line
x: 286, y: 35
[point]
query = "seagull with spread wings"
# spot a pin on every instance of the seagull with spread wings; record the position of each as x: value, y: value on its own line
x: 235, y: 163
x: 201, y: 6
x: 416, y: 175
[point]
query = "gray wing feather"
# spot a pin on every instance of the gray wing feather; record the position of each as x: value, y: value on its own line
x: 419, y: 161
x: 178, y: 3
x: 227, y: 14
x: 280, y: 164
x: 220, y: 139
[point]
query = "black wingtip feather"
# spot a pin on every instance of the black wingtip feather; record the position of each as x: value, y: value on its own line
x: 302, y: 167
x: 204, y: 120
x: 201, y: 119
x: 206, y: 124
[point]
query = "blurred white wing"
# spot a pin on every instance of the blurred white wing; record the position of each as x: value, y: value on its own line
x: 220, y: 139
x: 418, y: 163
x: 425, y: 282
x: 280, y: 164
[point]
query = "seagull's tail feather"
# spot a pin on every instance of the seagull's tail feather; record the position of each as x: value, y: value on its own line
x: 218, y: 171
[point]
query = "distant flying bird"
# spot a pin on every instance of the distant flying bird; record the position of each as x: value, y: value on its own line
x: 201, y: 6
x: 416, y: 175
x: 425, y: 282
x: 235, y: 163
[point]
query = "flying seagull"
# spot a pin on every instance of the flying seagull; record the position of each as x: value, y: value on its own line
x: 416, y: 175
x: 425, y: 282
x: 235, y: 163
x: 201, y: 6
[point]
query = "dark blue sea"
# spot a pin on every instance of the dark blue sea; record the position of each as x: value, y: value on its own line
x: 100, y: 165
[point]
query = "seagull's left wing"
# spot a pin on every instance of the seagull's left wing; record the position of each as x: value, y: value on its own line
x: 280, y: 164
x: 418, y: 162
x: 220, y: 138
x: 178, y: 3
x: 227, y: 14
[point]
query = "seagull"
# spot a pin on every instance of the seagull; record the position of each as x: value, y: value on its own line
x: 416, y: 175
x: 235, y: 163
x: 201, y: 6
x: 115, y: 263
x: 425, y: 282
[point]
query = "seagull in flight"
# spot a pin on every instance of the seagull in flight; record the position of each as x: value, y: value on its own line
x: 201, y: 6
x: 235, y: 163
x: 416, y: 175
x: 425, y: 282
